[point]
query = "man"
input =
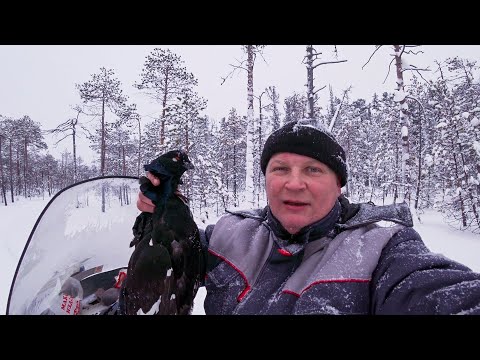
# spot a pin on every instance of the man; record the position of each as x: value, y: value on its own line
x: 312, y: 252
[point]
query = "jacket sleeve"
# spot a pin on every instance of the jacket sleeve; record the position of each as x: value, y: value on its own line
x: 410, y: 279
x: 209, y: 260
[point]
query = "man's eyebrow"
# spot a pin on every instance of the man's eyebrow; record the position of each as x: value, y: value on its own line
x: 314, y: 162
x: 311, y: 162
x: 278, y: 161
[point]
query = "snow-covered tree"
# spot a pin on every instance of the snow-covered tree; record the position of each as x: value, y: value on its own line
x: 101, y: 93
x: 164, y: 78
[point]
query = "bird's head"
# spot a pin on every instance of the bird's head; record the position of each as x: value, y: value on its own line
x: 176, y: 162
x: 171, y: 164
x: 169, y: 168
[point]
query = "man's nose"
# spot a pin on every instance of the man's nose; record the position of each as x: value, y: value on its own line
x: 295, y: 181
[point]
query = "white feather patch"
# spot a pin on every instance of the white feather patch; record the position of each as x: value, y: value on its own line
x: 153, y: 310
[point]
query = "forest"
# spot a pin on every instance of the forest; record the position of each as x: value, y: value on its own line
x: 419, y: 144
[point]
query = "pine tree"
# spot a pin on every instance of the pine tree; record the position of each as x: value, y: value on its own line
x: 164, y: 78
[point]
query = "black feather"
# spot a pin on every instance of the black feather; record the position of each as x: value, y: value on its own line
x: 166, y: 267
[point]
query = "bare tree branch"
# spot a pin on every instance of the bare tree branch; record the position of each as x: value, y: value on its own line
x: 320, y: 89
x: 328, y: 62
x: 414, y: 68
x: 231, y: 73
x: 56, y: 143
x: 86, y: 130
x: 417, y: 70
x: 261, y: 54
x: 420, y: 74
x: 389, y: 67
x: 315, y: 55
x: 370, y: 58
x: 414, y: 52
x: 235, y: 68
x: 335, y: 116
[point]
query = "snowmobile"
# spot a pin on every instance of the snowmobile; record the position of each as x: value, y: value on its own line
x: 76, y: 256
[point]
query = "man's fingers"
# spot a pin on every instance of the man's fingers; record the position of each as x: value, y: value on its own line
x: 144, y: 203
x: 145, y: 199
x: 153, y: 179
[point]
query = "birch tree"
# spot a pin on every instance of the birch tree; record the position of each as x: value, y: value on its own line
x: 2, y: 178
x: 251, y: 51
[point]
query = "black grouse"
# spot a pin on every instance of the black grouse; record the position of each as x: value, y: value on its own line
x: 166, y: 268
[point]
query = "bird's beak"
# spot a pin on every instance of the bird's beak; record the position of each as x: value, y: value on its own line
x: 188, y: 165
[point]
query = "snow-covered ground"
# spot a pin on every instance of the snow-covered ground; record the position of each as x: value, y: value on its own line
x: 18, y: 219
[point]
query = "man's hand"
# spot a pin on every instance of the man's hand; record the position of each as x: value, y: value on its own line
x: 144, y: 203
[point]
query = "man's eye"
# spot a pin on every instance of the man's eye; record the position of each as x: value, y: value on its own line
x: 314, y: 169
x: 279, y: 168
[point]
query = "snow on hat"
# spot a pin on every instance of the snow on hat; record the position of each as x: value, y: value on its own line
x: 306, y: 137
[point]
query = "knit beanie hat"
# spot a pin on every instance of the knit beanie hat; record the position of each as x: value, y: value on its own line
x: 307, y: 138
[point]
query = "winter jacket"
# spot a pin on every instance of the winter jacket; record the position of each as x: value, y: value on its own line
x: 350, y: 262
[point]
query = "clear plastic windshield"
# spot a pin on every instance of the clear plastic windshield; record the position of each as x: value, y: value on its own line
x: 85, y: 227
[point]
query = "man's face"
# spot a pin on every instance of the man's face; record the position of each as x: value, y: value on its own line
x: 300, y: 190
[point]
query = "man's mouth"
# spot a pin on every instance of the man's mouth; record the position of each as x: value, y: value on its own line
x: 294, y: 203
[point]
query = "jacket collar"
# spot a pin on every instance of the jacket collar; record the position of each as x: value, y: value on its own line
x: 308, y: 233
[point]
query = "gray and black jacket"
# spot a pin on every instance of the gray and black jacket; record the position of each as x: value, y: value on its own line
x: 350, y: 262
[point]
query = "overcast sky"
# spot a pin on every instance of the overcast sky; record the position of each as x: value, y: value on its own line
x: 39, y: 80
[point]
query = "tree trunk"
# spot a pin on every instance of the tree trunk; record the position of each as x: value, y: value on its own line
x: 259, y: 150
x: 124, y: 165
x: 404, y: 121
x: 102, y: 153
x: 74, y: 156
x: 139, y: 148
x: 120, y: 194
x: 4, y: 193
x: 458, y: 183
x: 49, y: 184
x: 102, y: 145
x: 25, y: 167
x: 103, y: 197
x: 347, y: 185
x: 19, y: 177
x: 10, y: 161
x: 164, y: 105
x: 395, y: 185
x: 249, y: 177
x: 465, y: 175
x: 310, y: 81
x: 235, y: 176
x: 420, y: 163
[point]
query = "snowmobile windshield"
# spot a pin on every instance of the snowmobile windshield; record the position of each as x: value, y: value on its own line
x: 85, y: 229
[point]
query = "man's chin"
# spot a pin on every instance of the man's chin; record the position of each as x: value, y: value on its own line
x: 293, y: 226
